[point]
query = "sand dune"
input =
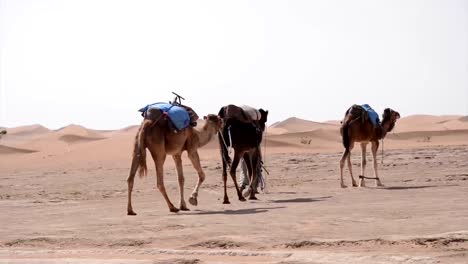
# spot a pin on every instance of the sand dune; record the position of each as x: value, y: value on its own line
x: 431, y: 123
x: 292, y: 134
x: 78, y: 139
x: 132, y: 129
x: 30, y: 130
x: 80, y: 131
x: 294, y: 124
x: 12, y: 150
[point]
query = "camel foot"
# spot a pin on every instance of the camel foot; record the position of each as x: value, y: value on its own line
x: 174, y: 210
x: 380, y: 185
x: 242, y: 199
x: 362, y: 183
x: 226, y: 202
x: 131, y: 212
x: 184, y: 209
x: 253, y: 198
x: 193, y: 201
x: 355, y: 184
x: 343, y: 186
x: 246, y: 192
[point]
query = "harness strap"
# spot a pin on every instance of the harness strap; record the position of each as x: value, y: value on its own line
x: 225, y: 145
x: 230, y: 140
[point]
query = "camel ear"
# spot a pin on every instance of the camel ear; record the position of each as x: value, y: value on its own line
x: 386, y: 112
x: 204, y: 117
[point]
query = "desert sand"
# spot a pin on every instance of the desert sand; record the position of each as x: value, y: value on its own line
x: 63, y: 200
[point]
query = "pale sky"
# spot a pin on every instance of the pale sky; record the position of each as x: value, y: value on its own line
x: 95, y: 63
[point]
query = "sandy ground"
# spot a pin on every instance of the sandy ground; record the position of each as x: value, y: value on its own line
x: 66, y: 203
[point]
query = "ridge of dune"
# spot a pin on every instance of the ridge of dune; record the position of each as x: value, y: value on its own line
x: 28, y: 130
x: 12, y: 150
x: 78, y: 130
x: 294, y: 124
x: 129, y: 128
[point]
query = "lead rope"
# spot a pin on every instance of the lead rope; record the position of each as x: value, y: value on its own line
x: 230, y: 140
x: 227, y: 148
x: 382, y: 150
x: 264, y: 185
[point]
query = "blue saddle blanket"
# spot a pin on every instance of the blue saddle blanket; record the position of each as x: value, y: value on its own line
x: 179, y: 116
x: 373, y: 116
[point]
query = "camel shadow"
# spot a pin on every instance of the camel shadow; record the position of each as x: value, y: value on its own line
x: 413, y: 187
x: 238, y: 212
x: 302, y: 200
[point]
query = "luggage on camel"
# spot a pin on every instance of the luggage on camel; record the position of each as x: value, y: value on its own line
x: 244, y: 113
x: 181, y: 116
x: 366, y: 113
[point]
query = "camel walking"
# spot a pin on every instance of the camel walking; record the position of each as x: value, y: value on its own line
x: 162, y: 140
x: 244, y: 134
x: 358, y: 127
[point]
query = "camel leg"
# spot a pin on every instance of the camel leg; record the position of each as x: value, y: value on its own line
x: 350, y: 166
x: 130, y: 180
x: 375, y: 147
x: 234, y: 165
x: 362, y: 182
x: 253, y: 174
x: 159, y: 162
x: 181, y: 180
x: 195, y: 159
x: 226, y: 198
x: 346, y: 153
x: 246, y: 192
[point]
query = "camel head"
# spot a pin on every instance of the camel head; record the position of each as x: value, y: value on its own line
x: 3, y: 132
x: 390, y: 116
x: 263, y: 118
x: 214, y: 121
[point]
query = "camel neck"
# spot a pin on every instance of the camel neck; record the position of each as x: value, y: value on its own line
x: 385, y: 127
x: 205, y: 134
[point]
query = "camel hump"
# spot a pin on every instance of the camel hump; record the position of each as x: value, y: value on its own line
x: 251, y: 112
x: 244, y: 113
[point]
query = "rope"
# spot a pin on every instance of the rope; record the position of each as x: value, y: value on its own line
x: 264, y: 145
x: 230, y: 140
x: 164, y: 114
x: 382, y: 150
x: 225, y: 145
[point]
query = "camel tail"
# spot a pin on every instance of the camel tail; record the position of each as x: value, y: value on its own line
x: 140, y: 147
x: 345, y: 135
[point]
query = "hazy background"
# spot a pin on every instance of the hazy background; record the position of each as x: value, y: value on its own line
x: 95, y: 63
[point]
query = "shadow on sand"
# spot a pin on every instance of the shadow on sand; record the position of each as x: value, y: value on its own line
x: 414, y: 187
x: 238, y: 212
x: 301, y: 200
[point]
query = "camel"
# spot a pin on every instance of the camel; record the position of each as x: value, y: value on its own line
x: 244, y: 138
x: 357, y: 127
x: 157, y: 135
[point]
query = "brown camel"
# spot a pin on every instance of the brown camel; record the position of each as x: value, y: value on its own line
x: 161, y: 140
x: 357, y: 127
